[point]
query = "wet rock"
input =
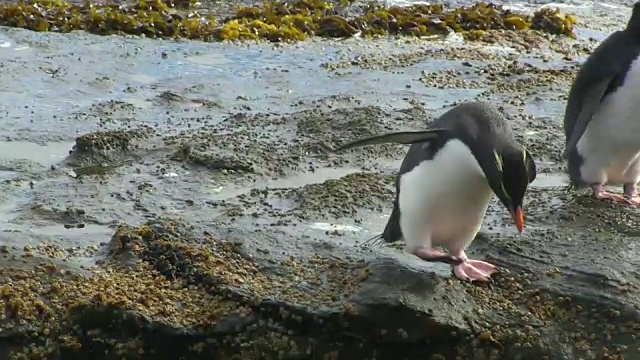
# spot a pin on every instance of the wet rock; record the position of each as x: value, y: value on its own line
x: 107, y: 145
x: 171, y: 98
x: 338, y: 126
x: 291, y: 143
x: 113, y: 109
x: 182, y: 153
x: 98, y: 169
x: 228, y: 164
x: 344, y: 197
x: 331, y: 124
x: 67, y: 217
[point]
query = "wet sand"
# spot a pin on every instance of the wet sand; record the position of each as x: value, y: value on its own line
x: 172, y: 199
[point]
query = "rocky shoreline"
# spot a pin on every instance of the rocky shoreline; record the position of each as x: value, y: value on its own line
x: 166, y: 290
x: 175, y: 289
x: 199, y: 213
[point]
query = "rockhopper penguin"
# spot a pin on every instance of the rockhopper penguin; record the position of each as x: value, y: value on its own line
x: 446, y: 180
x: 602, y: 117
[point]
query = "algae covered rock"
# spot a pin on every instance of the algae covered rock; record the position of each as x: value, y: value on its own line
x: 171, y: 290
x: 293, y: 20
x: 345, y: 196
x: 95, y: 152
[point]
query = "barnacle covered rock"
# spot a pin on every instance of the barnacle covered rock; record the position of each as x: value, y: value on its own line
x: 291, y: 20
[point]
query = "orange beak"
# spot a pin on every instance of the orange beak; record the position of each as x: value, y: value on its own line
x: 518, y: 218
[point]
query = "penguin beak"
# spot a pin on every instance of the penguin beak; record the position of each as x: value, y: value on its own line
x: 518, y: 217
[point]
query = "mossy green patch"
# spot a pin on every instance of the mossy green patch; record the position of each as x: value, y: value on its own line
x: 275, y: 20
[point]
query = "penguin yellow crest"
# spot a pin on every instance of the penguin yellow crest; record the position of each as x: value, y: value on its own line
x: 524, y: 162
x: 498, y: 160
x: 500, y: 165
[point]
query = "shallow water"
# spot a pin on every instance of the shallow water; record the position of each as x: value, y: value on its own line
x: 45, y: 154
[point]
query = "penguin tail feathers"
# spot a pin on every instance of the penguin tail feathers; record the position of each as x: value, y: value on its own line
x: 403, y: 137
x: 392, y: 231
x: 376, y: 241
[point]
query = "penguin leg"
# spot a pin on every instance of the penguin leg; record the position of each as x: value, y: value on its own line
x: 594, y: 174
x: 429, y: 254
x: 417, y: 236
x: 631, y: 177
x: 631, y: 193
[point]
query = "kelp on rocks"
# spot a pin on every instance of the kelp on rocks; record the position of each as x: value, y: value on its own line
x: 275, y: 20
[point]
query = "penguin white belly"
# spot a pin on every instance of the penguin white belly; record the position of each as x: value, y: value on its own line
x: 610, y: 145
x: 443, y: 201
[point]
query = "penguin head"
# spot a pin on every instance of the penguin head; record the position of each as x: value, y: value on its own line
x: 634, y: 21
x: 512, y: 172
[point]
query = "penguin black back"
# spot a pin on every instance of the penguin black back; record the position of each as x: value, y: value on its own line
x: 476, y: 124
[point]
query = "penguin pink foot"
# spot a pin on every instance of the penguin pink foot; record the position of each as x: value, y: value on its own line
x: 474, y: 270
x: 483, y: 266
x: 600, y: 193
x: 631, y: 194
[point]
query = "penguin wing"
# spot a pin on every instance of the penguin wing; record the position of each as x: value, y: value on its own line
x: 403, y: 137
x: 590, y: 103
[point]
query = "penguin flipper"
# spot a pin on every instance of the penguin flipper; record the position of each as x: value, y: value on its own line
x: 403, y: 137
x: 590, y: 103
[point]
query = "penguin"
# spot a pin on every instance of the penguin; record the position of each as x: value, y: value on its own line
x: 601, y: 120
x: 447, y: 179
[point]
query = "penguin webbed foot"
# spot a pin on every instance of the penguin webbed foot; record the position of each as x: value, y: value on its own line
x: 631, y: 193
x: 600, y: 193
x: 606, y: 195
x: 474, y: 270
x: 433, y: 255
x: 633, y: 200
